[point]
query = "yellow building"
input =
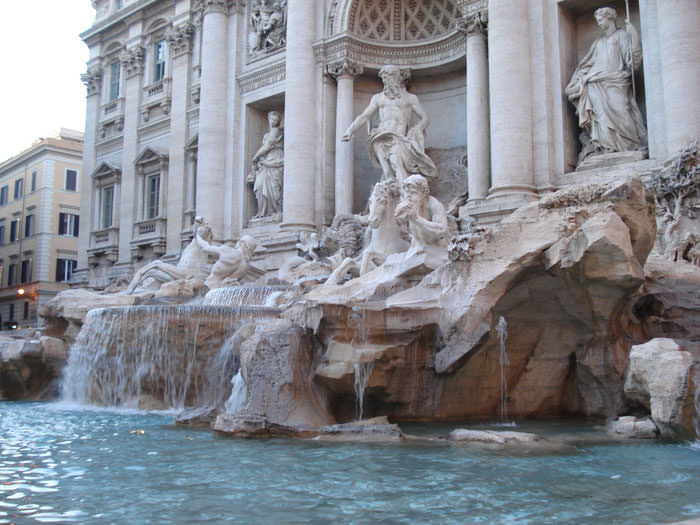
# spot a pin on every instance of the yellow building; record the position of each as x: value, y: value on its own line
x: 39, y: 223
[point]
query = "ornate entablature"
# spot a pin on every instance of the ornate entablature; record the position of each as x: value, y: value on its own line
x: 261, y: 78
x: 267, y: 27
x: 375, y: 55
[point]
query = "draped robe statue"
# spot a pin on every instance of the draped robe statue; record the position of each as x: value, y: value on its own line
x: 601, y: 90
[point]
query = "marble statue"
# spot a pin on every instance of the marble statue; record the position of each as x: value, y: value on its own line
x: 268, y: 167
x: 268, y: 22
x: 426, y: 216
x: 192, y: 263
x: 601, y: 90
x: 396, y: 146
x: 232, y: 260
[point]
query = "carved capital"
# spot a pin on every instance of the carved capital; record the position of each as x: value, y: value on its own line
x: 218, y: 6
x: 132, y: 60
x: 474, y: 23
x: 344, y: 68
x: 180, y: 39
x: 92, y: 80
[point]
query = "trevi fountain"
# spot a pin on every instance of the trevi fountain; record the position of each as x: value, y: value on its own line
x: 412, y: 362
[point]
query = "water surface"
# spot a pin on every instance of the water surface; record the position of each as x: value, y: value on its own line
x: 97, y: 466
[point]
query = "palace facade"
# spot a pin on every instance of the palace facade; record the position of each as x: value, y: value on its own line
x: 179, y: 93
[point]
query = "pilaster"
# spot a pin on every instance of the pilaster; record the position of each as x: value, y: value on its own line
x: 344, y: 71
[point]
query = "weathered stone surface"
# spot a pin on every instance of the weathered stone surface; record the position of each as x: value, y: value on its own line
x: 493, y: 437
x: 27, y: 371
x: 560, y: 271
x: 659, y: 379
x: 631, y: 427
x: 277, y: 366
x: 375, y: 430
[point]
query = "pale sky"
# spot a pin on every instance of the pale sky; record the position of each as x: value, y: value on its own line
x: 42, y: 60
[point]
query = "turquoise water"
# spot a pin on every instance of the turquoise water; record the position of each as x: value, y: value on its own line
x: 59, y: 465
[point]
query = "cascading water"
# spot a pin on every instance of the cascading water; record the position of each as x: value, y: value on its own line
x: 363, y: 371
x: 262, y: 296
x: 239, y: 393
x: 176, y: 354
x: 502, y: 330
x: 357, y: 322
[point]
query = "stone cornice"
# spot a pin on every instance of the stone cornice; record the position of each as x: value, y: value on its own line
x: 180, y: 39
x: 344, y: 68
x: 475, y: 23
x: 132, y: 60
x: 260, y: 78
x: 423, y: 54
x: 92, y: 80
x: 469, y: 7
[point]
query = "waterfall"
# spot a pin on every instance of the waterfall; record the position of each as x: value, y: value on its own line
x: 502, y: 330
x: 363, y: 371
x: 239, y: 393
x: 180, y: 355
x: 246, y: 295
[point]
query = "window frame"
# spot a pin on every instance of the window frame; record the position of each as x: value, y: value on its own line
x: 19, y: 189
x: 160, y: 59
x: 4, y: 194
x: 71, y: 171
x: 68, y: 224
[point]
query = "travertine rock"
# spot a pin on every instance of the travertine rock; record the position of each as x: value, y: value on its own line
x: 28, y: 370
x: 493, y: 437
x: 631, y: 427
x: 560, y: 271
x: 277, y: 366
x: 659, y: 379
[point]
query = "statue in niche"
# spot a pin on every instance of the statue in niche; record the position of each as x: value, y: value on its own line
x: 268, y: 22
x: 268, y: 167
x: 601, y: 90
x: 426, y: 216
x: 232, y: 260
x: 192, y: 263
x: 396, y: 146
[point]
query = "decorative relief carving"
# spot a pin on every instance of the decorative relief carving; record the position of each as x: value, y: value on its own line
x: 132, y: 60
x: 92, y: 80
x: 217, y: 6
x: 180, y: 39
x: 391, y: 20
x: 262, y: 78
x: 474, y: 23
x: 432, y: 53
x: 344, y: 67
x: 268, y: 26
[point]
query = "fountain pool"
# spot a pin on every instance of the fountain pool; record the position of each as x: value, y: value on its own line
x: 60, y: 464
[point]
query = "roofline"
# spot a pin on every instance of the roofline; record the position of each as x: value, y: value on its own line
x: 57, y: 145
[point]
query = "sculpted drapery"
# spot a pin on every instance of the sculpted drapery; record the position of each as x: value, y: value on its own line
x: 601, y: 90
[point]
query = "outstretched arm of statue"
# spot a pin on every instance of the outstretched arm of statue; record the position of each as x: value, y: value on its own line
x: 204, y: 245
x: 361, y: 119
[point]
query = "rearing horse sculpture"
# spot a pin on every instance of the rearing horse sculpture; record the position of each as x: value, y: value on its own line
x: 385, y: 232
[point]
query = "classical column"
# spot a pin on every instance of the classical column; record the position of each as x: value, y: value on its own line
x: 212, y: 115
x: 93, y: 82
x: 344, y: 72
x: 478, y: 145
x: 510, y: 84
x: 180, y: 42
x: 300, y: 104
x: 680, y: 64
x: 129, y: 212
